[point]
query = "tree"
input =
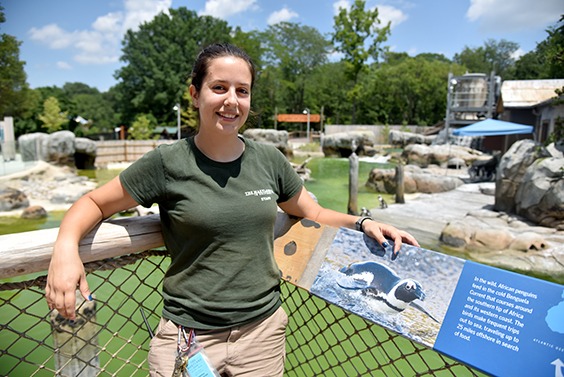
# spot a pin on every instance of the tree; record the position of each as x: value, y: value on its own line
x: 494, y: 56
x: 189, y: 116
x: 547, y: 60
x: 326, y: 92
x: 158, y: 61
x: 294, y: 51
x: 52, y: 117
x: 88, y: 103
x: 13, y: 85
x: 411, y: 91
x: 142, y: 128
x: 358, y: 37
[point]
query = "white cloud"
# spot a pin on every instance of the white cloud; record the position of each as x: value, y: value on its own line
x: 102, y: 42
x: 514, y: 15
x: 518, y: 53
x: 282, y: 15
x: 140, y: 11
x: 63, y: 65
x: 388, y: 13
x: 52, y: 36
x: 337, y: 5
x: 225, y: 8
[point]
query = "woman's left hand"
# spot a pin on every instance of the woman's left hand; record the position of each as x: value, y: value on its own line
x: 380, y: 232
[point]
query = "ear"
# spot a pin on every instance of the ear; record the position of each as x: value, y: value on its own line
x: 194, y: 94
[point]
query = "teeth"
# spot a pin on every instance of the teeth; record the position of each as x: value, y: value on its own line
x: 230, y: 116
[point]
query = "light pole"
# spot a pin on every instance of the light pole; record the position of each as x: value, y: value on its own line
x: 177, y: 108
x: 306, y: 111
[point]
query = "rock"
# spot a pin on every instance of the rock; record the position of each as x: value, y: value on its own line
x: 425, y: 155
x: 60, y: 148
x: 341, y: 144
x: 401, y: 139
x: 429, y: 184
x: 491, y: 239
x: 540, y: 194
x: 34, y: 213
x: 415, y: 180
x: 85, y: 153
x: 456, y: 163
x: 528, y: 241
x: 456, y: 234
x: 273, y: 137
x: 33, y: 146
x: 556, y: 150
x: 11, y: 199
x: 510, y: 172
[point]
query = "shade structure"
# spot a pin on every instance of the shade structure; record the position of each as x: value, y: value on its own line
x: 493, y: 127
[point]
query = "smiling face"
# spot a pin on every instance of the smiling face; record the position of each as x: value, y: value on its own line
x: 224, y: 99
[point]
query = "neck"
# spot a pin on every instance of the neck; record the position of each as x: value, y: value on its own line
x: 220, y: 149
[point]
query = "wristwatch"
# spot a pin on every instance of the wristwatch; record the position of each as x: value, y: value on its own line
x: 361, y: 220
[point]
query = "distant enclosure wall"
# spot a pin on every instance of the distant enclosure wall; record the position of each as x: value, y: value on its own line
x: 112, y: 151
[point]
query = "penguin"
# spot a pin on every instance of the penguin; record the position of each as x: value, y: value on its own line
x: 383, y: 204
x: 386, y: 291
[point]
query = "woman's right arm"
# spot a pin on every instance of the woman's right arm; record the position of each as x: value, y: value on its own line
x: 66, y: 271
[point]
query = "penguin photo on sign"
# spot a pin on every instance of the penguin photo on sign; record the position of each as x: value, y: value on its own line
x: 384, y: 290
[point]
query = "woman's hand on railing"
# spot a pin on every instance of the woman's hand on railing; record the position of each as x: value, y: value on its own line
x: 66, y: 273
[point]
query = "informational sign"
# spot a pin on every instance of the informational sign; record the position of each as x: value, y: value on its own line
x: 500, y: 322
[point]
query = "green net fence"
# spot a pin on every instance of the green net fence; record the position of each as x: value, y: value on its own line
x: 111, y: 338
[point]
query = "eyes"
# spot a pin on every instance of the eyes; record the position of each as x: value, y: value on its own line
x: 242, y: 91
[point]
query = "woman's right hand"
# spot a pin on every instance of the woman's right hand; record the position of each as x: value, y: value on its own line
x: 66, y: 273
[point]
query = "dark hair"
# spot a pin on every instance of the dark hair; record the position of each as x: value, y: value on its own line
x: 214, y: 51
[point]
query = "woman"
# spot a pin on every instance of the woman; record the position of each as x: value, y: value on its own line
x: 218, y: 195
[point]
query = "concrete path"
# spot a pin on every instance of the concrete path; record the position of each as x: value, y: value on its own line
x: 425, y: 215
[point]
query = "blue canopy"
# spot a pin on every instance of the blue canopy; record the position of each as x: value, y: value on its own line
x: 493, y: 127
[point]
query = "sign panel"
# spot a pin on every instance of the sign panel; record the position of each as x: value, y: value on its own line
x: 299, y: 118
x: 500, y: 322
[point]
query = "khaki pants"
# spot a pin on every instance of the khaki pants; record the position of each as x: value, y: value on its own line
x: 255, y: 349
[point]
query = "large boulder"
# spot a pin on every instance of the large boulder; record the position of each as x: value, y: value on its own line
x: 540, y: 195
x: 415, y: 179
x: 425, y: 155
x: 277, y: 138
x: 510, y: 172
x: 507, y: 241
x: 34, y: 213
x: 401, y: 139
x: 11, y: 198
x: 343, y: 144
x: 85, y: 153
x: 33, y: 146
x: 61, y: 148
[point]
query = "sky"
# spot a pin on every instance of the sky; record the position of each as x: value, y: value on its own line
x: 80, y: 40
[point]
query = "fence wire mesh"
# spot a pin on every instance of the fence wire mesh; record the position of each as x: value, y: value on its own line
x: 111, y: 337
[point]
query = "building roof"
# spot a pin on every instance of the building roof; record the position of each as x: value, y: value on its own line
x: 528, y: 93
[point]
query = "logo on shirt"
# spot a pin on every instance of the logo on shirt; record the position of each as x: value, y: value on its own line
x: 264, y: 194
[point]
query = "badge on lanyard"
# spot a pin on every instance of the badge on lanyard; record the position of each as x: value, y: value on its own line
x: 191, y: 359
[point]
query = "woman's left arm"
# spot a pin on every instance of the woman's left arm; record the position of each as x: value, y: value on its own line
x: 303, y: 205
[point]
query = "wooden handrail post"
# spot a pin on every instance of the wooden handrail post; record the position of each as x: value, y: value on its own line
x: 353, y: 182
x: 76, y: 342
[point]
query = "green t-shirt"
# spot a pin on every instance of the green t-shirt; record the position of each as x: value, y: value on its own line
x: 218, y: 226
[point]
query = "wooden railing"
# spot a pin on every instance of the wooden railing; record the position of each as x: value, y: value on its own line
x: 25, y: 253
x: 29, y: 252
